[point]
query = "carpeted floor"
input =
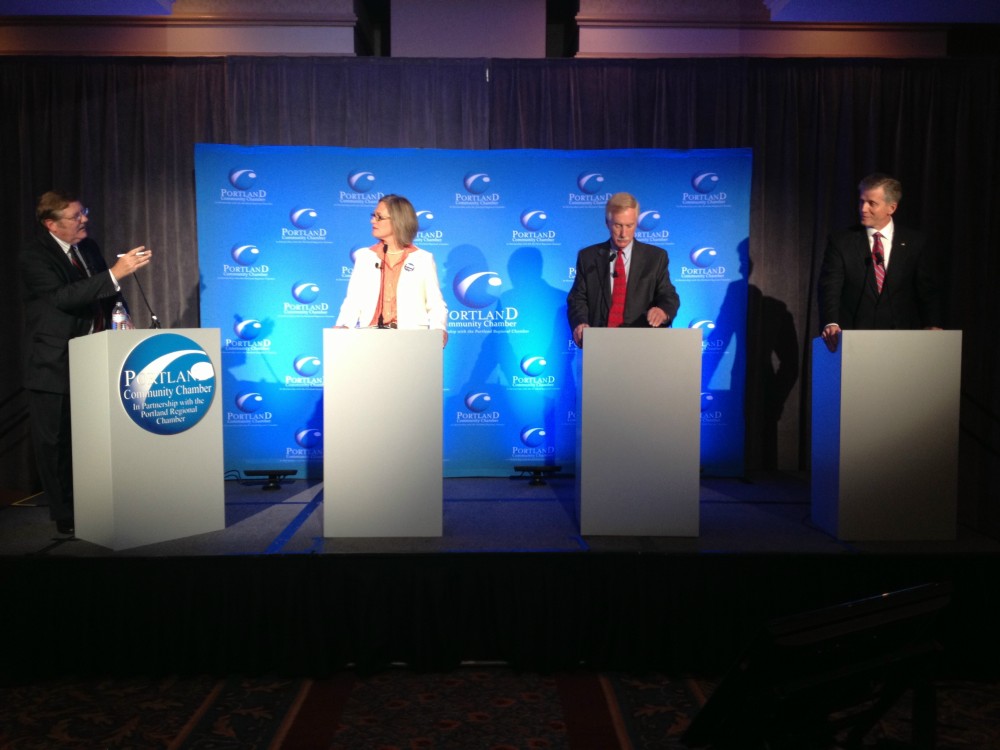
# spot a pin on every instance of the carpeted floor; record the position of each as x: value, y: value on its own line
x: 472, y: 708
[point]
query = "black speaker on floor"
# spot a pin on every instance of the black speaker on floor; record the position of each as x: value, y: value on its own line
x: 823, y: 679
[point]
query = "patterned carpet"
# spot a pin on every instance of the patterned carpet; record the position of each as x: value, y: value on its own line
x: 472, y: 708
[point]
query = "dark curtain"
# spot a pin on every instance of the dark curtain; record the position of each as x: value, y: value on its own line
x: 121, y: 133
x: 361, y: 103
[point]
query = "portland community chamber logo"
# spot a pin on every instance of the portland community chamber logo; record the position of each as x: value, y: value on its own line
x: 474, y: 289
x: 534, y: 443
x: 591, y: 191
x: 534, y: 367
x: 704, y: 265
x: 361, y: 180
x: 428, y: 234
x: 246, y: 263
x: 478, y: 191
x: 242, y: 179
x: 479, y: 411
x: 362, y: 189
x: 476, y: 183
x: 532, y: 228
x: 705, y: 191
x: 242, y: 186
x: 305, y: 225
x: 590, y: 182
x: 648, y: 227
x: 167, y: 384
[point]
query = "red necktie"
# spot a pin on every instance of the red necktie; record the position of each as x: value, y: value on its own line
x: 617, y: 314
x: 75, y: 260
x: 878, y: 259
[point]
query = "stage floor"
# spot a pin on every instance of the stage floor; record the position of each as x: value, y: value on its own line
x: 769, y: 515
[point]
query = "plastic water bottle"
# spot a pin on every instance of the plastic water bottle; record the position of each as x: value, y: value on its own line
x: 119, y: 318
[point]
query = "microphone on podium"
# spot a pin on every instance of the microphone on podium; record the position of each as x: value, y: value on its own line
x: 381, y: 286
x: 155, y: 322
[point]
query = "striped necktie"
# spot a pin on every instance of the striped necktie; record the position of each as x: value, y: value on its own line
x: 878, y: 259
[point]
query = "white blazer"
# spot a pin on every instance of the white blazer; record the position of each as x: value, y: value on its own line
x: 419, y: 303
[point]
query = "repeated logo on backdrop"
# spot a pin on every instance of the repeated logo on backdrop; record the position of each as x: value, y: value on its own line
x: 279, y: 228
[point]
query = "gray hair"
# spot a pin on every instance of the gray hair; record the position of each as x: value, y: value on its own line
x: 891, y: 187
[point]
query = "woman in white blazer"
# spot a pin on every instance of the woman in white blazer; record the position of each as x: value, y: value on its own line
x: 394, y: 283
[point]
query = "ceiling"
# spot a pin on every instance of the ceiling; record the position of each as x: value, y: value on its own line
x: 800, y: 11
x: 885, y: 11
x: 86, y: 7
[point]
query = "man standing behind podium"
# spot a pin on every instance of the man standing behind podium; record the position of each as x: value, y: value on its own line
x: 621, y: 281
x: 68, y: 292
x: 878, y: 275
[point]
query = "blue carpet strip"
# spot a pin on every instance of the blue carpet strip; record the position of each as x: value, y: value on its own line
x: 285, y: 536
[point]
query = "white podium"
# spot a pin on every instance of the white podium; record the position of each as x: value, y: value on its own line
x: 885, y: 409
x: 383, y: 433
x: 640, y: 432
x: 134, y: 487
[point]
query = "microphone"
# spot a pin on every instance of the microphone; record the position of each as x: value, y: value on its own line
x: 155, y: 322
x: 612, y: 257
x: 879, y: 259
x: 381, y: 286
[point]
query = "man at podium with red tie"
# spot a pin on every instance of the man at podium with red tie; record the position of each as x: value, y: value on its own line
x: 68, y: 291
x: 621, y: 281
x: 877, y: 275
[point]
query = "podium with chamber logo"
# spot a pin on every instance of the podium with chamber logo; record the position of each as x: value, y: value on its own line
x: 147, y: 436
x: 885, y: 410
x: 639, y: 432
x: 383, y: 433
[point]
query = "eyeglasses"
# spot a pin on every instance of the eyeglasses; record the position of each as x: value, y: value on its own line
x: 376, y: 217
x: 84, y: 212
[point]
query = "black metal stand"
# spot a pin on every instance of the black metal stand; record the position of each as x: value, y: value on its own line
x: 274, y: 476
x: 537, y: 472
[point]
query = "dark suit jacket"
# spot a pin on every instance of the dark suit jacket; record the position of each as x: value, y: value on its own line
x: 58, y: 306
x: 848, y: 295
x: 649, y: 285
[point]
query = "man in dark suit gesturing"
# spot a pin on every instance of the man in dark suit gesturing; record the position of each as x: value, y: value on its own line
x: 621, y: 281
x: 878, y: 275
x: 68, y: 291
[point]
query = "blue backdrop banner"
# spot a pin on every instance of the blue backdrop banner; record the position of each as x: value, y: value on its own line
x: 278, y: 228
